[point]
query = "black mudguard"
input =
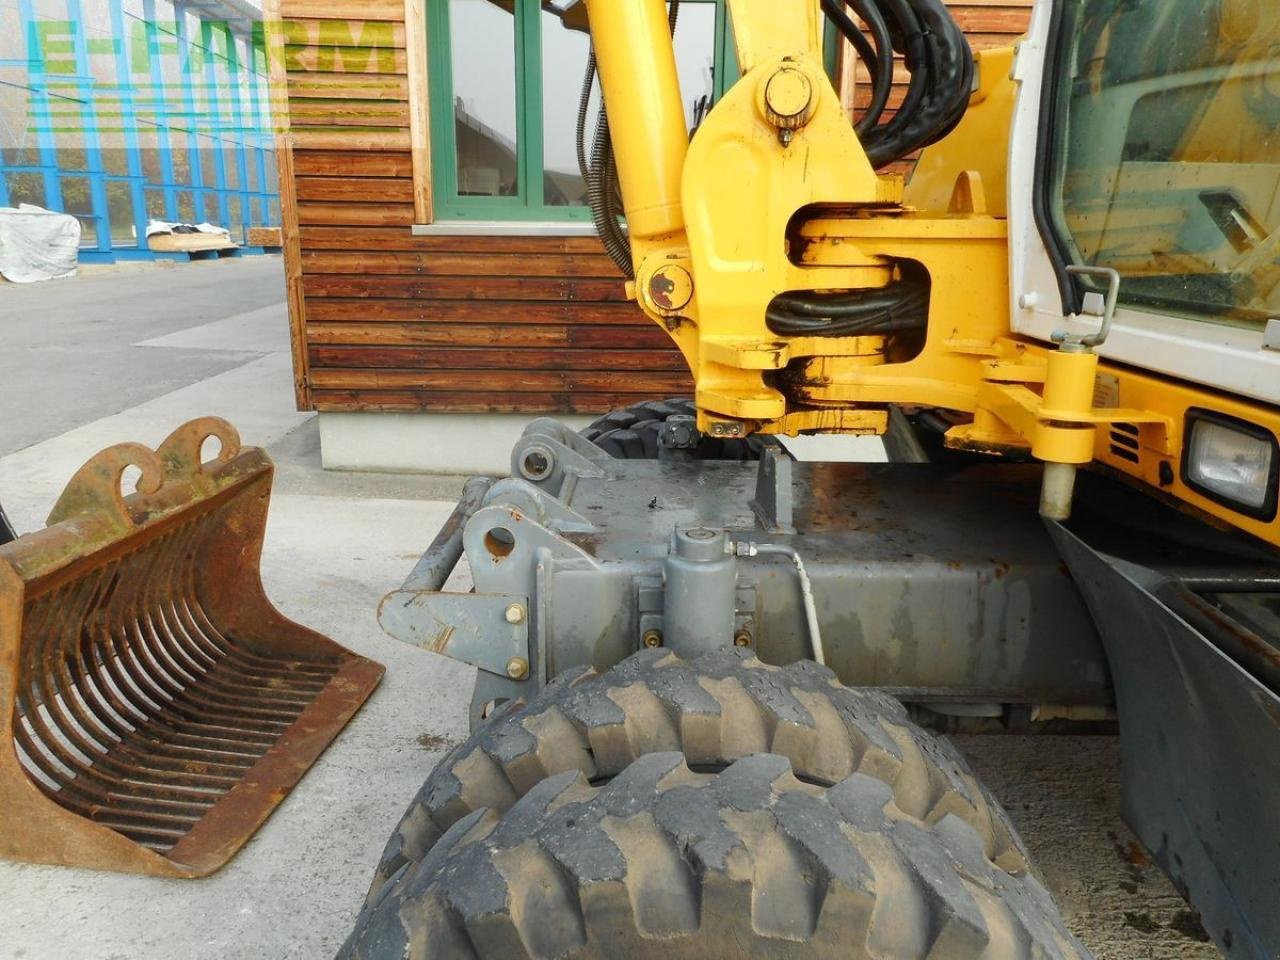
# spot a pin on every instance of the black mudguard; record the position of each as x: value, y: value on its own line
x: 1200, y: 736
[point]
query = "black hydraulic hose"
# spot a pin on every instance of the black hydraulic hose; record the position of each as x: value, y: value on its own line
x: 834, y: 9
x: 952, y: 64
x: 899, y: 308
x: 955, y: 70
x: 600, y: 198
x: 600, y: 171
x: 855, y: 303
x: 884, y: 323
x: 878, y: 59
x: 882, y: 77
x: 584, y: 106
x: 937, y: 54
x: 890, y: 141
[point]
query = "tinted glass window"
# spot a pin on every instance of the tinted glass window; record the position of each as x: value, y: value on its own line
x: 1168, y: 153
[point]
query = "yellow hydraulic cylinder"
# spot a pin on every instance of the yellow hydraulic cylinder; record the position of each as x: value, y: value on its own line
x: 637, y: 64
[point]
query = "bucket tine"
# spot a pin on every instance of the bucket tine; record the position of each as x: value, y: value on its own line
x: 154, y: 706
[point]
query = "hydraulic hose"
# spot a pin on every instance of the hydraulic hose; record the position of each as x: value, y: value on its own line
x: 584, y: 107
x: 881, y: 80
x: 600, y: 172
x: 899, y: 308
x: 601, y: 197
x: 834, y: 9
x: 806, y: 593
x: 937, y: 56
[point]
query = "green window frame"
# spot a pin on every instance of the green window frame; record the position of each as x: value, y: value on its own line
x: 528, y: 203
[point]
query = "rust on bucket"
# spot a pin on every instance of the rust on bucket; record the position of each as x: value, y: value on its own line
x: 154, y: 706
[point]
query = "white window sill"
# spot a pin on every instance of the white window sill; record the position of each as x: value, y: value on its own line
x: 504, y: 228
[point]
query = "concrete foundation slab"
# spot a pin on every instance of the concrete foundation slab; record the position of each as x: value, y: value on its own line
x: 456, y: 443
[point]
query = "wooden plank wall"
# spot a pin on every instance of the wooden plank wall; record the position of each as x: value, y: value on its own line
x: 386, y: 321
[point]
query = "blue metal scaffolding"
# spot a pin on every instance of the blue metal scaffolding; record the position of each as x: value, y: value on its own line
x: 134, y: 110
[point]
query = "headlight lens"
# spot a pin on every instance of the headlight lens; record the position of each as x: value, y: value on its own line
x: 1232, y: 462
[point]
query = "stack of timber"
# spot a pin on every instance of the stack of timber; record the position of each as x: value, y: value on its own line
x: 269, y: 238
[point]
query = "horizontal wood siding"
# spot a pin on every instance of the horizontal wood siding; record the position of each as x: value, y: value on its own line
x: 384, y: 320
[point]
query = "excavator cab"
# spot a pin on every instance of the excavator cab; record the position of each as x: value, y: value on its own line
x: 686, y: 733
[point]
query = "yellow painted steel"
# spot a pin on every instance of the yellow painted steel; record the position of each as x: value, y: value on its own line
x: 777, y: 195
x: 1151, y: 453
x: 768, y: 30
x: 637, y: 65
x: 979, y: 145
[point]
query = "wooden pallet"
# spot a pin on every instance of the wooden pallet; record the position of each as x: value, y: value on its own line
x: 190, y: 242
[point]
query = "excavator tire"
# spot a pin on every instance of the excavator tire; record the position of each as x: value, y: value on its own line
x: 718, y: 808
x: 632, y: 433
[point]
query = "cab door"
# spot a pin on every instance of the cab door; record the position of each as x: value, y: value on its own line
x: 1147, y: 139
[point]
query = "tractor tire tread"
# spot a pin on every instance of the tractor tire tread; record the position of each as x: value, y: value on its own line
x: 663, y: 861
x: 715, y: 710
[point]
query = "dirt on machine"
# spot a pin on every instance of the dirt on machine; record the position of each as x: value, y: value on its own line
x: 711, y: 678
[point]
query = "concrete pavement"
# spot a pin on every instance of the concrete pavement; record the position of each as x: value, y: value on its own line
x: 335, y: 544
x: 76, y: 350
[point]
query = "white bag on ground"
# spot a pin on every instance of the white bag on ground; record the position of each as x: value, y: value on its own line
x: 37, y: 244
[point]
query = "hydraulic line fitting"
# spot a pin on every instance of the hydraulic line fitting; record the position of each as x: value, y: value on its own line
x: 746, y: 548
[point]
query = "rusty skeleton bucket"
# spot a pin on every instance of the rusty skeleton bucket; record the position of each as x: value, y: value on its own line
x: 154, y: 706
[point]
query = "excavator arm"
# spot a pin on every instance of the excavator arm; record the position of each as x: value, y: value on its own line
x: 810, y: 288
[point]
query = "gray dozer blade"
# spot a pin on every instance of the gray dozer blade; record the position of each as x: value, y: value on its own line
x: 1196, y: 664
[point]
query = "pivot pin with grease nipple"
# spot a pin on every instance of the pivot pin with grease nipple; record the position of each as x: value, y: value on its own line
x: 788, y: 101
x: 670, y: 289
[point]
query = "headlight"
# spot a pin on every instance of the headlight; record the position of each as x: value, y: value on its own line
x: 1233, y: 462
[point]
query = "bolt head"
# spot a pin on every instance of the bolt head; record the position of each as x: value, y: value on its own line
x: 517, y: 668
x: 653, y: 638
x: 514, y: 614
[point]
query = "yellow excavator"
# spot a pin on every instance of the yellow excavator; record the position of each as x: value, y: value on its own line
x: 710, y: 677
x: 690, y: 737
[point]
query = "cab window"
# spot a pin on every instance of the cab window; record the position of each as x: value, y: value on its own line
x: 1166, y: 158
